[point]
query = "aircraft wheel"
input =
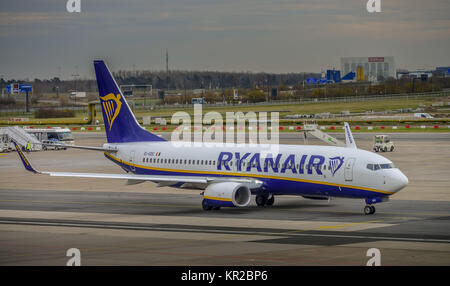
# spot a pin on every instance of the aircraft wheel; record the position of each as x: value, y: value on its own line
x: 206, y: 206
x: 260, y: 200
x: 368, y: 210
x: 270, y: 201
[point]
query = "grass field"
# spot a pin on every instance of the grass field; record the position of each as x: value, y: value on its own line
x: 307, y: 108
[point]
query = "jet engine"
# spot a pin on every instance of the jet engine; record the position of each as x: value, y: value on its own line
x: 226, y: 194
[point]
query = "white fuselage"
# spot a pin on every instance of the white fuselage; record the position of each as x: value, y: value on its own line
x: 301, y: 170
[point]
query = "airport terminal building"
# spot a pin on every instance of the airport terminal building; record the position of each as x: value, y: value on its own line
x: 373, y: 67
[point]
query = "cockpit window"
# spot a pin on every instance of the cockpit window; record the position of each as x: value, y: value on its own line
x: 375, y: 167
x: 387, y: 166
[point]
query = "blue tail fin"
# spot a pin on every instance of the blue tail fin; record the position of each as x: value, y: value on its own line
x: 120, y: 124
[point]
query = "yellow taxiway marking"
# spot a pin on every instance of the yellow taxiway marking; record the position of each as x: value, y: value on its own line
x: 348, y: 224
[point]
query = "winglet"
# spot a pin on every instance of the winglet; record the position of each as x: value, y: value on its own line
x: 349, y: 136
x: 25, y: 161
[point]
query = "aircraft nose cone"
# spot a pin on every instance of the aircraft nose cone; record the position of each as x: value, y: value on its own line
x: 399, y: 181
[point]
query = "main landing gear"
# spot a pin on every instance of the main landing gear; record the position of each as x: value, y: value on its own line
x: 262, y: 200
x: 369, y: 210
x: 208, y: 207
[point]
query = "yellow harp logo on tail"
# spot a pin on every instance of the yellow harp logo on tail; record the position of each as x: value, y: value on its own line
x: 111, y: 105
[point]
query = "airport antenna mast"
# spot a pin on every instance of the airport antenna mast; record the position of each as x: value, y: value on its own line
x: 167, y: 68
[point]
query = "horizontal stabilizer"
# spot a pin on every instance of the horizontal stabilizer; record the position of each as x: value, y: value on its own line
x: 92, y: 148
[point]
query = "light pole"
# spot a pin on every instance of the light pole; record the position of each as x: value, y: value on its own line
x: 75, y: 83
x: 1, y: 84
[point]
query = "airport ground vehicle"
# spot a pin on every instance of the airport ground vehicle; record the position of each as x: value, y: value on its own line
x: 423, y: 115
x: 383, y: 143
x: 50, y: 145
x: 52, y: 135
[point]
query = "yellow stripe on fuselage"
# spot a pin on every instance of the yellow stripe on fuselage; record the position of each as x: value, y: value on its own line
x: 247, y: 175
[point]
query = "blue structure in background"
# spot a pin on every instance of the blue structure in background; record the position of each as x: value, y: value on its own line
x: 444, y: 70
x: 333, y: 76
x: 323, y: 80
x: 18, y: 88
x: 311, y: 80
x: 349, y: 76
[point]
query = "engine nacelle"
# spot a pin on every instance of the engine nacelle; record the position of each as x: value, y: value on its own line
x: 227, y: 194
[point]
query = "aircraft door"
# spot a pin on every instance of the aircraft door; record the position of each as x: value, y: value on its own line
x: 348, y: 171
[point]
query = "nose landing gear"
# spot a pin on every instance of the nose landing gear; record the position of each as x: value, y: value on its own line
x: 370, y: 208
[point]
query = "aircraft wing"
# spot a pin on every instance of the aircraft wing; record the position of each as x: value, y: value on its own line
x: 136, y: 179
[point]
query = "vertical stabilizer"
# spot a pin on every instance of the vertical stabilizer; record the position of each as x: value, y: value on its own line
x: 120, y: 124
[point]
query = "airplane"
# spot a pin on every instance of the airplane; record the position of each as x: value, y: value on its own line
x: 230, y: 175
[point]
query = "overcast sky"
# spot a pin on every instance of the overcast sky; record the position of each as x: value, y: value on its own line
x: 38, y: 37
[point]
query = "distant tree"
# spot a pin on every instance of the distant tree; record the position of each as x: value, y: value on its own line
x: 256, y: 96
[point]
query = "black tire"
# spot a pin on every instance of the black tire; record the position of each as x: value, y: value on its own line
x: 206, y: 206
x: 385, y: 149
x: 372, y: 209
x: 260, y: 200
x: 270, y: 201
x: 392, y: 148
x: 368, y: 210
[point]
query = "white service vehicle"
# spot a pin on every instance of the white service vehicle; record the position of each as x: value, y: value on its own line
x: 383, y: 143
x: 55, y: 135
